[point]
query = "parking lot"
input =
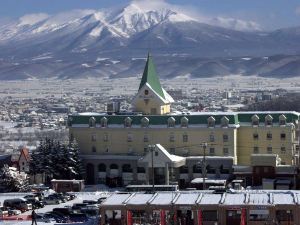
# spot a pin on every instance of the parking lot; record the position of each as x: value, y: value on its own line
x: 83, y: 209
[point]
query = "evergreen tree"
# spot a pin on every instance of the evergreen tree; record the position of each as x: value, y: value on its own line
x: 76, y: 162
x: 57, y: 160
x: 12, y: 180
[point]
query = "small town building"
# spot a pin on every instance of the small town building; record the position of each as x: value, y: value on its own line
x: 67, y: 185
x: 255, y: 207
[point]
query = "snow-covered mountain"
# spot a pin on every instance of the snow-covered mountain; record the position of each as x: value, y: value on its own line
x: 104, y: 42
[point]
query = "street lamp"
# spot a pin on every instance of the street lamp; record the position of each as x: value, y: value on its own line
x: 204, y: 145
x: 151, y: 149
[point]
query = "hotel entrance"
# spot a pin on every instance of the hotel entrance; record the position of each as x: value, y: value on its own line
x: 185, y: 217
x: 233, y: 217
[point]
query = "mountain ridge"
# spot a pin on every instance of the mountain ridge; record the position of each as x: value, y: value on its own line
x: 68, y: 45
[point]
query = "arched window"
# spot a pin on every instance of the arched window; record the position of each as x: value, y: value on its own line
x: 224, y: 121
x: 211, y: 121
x: 113, y: 167
x: 184, y: 122
x: 126, y: 168
x: 145, y: 122
x: 102, y: 167
x: 282, y: 120
x: 255, y: 120
x: 92, y: 122
x: 103, y: 122
x: 171, y: 122
x: 268, y: 120
x: 127, y: 122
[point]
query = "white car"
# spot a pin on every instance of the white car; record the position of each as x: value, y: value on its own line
x: 13, y: 212
x: 51, y: 201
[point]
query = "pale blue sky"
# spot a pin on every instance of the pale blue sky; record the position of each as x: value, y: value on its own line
x: 270, y: 14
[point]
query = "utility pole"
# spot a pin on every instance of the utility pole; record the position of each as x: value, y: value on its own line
x: 204, y: 145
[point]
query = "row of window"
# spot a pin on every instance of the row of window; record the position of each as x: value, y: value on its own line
x: 125, y: 168
x: 171, y: 122
x: 269, y: 136
x: 185, y: 138
x: 269, y: 150
x: 268, y: 120
x: 184, y: 121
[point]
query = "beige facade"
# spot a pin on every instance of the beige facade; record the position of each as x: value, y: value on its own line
x: 111, y: 142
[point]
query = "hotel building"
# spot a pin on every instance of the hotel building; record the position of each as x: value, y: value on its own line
x: 121, y: 149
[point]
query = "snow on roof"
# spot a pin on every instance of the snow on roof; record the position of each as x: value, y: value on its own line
x: 116, y: 199
x: 234, y: 199
x: 210, y: 199
x: 199, y: 180
x: 139, y: 199
x: 283, y: 198
x: 259, y: 199
x: 186, y: 199
x: 91, y: 114
x: 163, y: 198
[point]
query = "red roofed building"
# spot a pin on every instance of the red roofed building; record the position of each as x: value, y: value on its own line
x: 24, y: 159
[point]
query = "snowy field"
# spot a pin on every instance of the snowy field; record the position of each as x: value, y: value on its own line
x: 80, y: 196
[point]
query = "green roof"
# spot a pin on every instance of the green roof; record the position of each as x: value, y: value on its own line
x: 234, y: 118
x: 150, y: 76
x: 153, y: 119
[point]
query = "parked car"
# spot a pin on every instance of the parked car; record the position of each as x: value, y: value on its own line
x: 51, y: 201
x: 36, y: 204
x: 17, y: 203
x: 13, y: 212
x: 72, y: 196
x: 40, y: 195
x: 90, y: 202
x: 45, y: 218
x: 78, y: 217
x: 31, y: 197
x: 59, y: 217
x: 59, y: 196
x: 3, y: 211
x: 65, y: 211
x: 78, y: 206
x: 90, y: 212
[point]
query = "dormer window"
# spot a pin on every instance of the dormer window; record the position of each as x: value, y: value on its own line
x: 268, y: 120
x: 171, y: 122
x: 282, y: 120
x: 224, y: 121
x: 255, y: 120
x: 127, y: 122
x: 92, y: 122
x: 144, y: 122
x: 211, y: 121
x: 184, y: 122
x: 103, y: 122
x: 146, y: 92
